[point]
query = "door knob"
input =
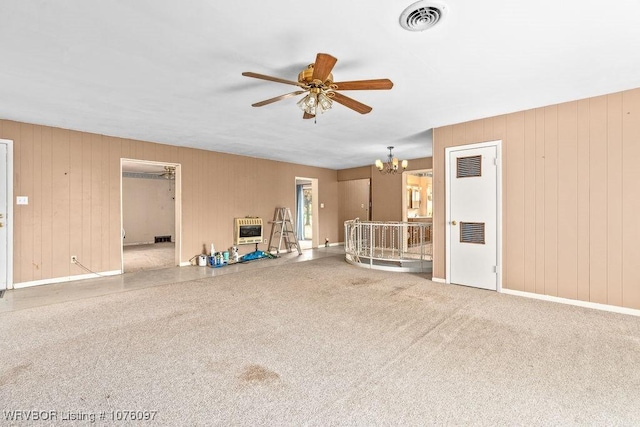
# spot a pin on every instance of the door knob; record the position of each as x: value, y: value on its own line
x: 454, y: 222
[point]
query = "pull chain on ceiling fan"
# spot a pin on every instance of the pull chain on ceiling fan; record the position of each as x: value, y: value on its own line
x: 321, y: 91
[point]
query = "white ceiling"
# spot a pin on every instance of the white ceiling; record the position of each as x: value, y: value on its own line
x: 169, y: 71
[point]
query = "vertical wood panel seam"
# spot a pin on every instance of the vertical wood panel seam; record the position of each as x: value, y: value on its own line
x: 606, y: 118
x: 524, y: 199
x: 22, y: 189
x: 577, y: 247
x: 557, y: 210
x: 41, y: 225
x: 535, y: 198
x: 543, y: 188
x: 621, y: 166
x: 588, y: 125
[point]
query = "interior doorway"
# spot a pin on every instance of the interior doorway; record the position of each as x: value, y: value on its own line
x: 417, y: 195
x: 306, y: 212
x: 151, y: 215
x: 417, y: 209
x: 473, y: 230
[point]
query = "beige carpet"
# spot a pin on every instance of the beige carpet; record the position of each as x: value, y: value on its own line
x: 323, y: 343
x: 148, y: 257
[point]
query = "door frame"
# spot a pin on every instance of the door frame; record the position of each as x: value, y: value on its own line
x: 447, y: 153
x: 177, y: 207
x: 315, y: 210
x: 9, y: 218
x: 405, y: 179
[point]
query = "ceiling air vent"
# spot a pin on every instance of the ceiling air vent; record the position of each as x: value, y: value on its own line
x: 422, y: 15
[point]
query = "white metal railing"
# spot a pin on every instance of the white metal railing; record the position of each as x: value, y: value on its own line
x: 400, y: 246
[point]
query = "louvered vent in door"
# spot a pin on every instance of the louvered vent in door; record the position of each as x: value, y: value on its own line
x: 472, y: 232
x: 468, y: 167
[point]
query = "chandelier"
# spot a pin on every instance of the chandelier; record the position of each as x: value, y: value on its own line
x: 391, y: 166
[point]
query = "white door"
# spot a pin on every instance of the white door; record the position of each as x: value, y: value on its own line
x: 472, y: 217
x: 4, y: 203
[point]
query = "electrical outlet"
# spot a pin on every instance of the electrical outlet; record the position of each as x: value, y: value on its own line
x: 265, y: 241
x: 74, y: 259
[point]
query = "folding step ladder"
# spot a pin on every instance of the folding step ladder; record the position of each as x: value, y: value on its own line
x: 282, y: 230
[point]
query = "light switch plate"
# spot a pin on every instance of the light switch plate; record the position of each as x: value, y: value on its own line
x: 22, y: 200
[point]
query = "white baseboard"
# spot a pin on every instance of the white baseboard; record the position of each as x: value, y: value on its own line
x: 138, y: 243
x: 438, y: 280
x: 333, y: 244
x: 587, y: 304
x: 65, y: 279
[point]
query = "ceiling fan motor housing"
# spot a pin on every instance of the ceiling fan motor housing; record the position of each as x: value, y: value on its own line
x: 306, y: 76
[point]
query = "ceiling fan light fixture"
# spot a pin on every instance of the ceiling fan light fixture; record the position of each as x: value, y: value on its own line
x: 422, y: 15
x: 317, y: 80
x: 324, y: 102
x: 170, y: 172
x: 315, y: 101
x: 308, y: 103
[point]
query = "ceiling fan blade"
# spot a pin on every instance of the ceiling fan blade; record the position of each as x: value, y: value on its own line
x: 377, y: 84
x: 308, y: 116
x: 278, y: 98
x: 351, y: 103
x: 272, y: 79
x: 323, y: 66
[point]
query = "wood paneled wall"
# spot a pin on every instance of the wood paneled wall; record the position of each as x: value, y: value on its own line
x: 362, y: 172
x: 386, y: 190
x: 72, y: 180
x: 354, y: 197
x: 570, y: 197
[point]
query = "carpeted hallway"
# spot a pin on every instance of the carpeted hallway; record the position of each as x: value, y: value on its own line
x: 148, y: 257
x: 322, y: 342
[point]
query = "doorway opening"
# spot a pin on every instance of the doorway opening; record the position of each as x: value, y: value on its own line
x: 417, y: 209
x: 151, y: 215
x: 417, y: 197
x: 306, y: 212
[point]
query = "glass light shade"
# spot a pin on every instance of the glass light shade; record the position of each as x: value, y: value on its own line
x: 308, y: 103
x: 324, y: 102
x: 311, y: 100
x: 391, y: 165
x: 302, y: 103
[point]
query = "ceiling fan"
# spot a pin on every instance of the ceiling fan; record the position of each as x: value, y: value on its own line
x: 317, y: 82
x: 169, y: 172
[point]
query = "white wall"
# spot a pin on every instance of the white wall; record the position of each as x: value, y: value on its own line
x: 148, y: 209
